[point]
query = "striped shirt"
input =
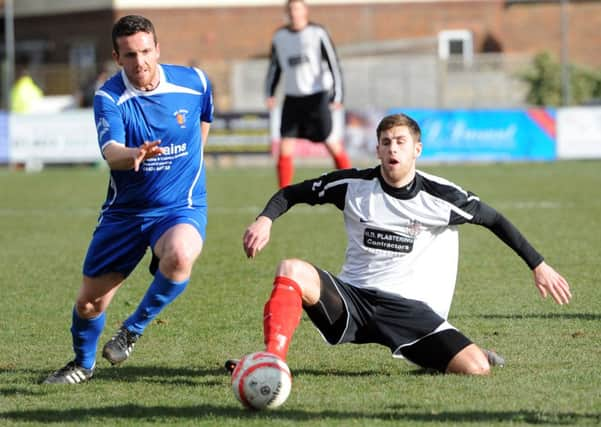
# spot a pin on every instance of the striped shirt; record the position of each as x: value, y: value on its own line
x: 402, y: 241
x: 308, y: 60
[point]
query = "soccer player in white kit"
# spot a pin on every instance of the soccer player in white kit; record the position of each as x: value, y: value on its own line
x: 304, y: 54
x: 398, y: 277
x: 152, y: 121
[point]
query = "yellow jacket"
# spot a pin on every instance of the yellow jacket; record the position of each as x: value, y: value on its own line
x: 24, y: 95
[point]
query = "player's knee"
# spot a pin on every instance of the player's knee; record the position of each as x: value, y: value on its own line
x: 304, y: 274
x: 290, y: 268
x: 87, y: 309
x: 477, y: 368
x: 177, y: 260
x: 469, y: 369
x: 470, y: 361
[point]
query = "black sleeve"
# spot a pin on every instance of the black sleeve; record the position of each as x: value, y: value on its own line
x: 328, y: 52
x: 328, y: 188
x: 508, y: 233
x: 273, y: 73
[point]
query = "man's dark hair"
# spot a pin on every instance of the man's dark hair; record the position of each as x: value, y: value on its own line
x: 395, y: 120
x: 130, y: 25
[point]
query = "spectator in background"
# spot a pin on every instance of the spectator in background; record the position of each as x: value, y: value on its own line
x: 301, y: 51
x: 92, y: 85
x: 25, y: 94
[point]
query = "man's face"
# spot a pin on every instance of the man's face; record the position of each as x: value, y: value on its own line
x: 298, y: 13
x: 139, y: 55
x: 398, y: 151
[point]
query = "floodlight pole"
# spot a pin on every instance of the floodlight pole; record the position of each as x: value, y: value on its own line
x: 9, y: 48
x: 566, y: 96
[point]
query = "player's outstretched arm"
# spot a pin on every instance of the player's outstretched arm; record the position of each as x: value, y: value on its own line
x: 120, y: 157
x: 256, y: 236
x: 548, y: 281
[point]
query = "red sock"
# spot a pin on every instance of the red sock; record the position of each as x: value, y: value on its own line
x: 285, y: 170
x: 281, y: 315
x: 342, y: 161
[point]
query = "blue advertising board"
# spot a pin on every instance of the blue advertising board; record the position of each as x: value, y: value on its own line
x: 486, y: 135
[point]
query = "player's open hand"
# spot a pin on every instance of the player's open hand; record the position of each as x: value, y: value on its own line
x: 146, y: 151
x: 548, y: 281
x: 256, y: 236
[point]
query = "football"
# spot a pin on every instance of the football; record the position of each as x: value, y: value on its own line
x: 261, y: 381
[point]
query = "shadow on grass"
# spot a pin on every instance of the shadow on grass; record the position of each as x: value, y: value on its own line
x: 181, y: 376
x: 326, y: 372
x: 160, y: 375
x: 355, y: 373
x: 112, y: 414
x: 150, y: 374
x: 20, y: 391
x: 191, y: 377
x: 526, y: 316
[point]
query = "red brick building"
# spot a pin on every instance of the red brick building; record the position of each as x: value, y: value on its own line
x: 212, y: 33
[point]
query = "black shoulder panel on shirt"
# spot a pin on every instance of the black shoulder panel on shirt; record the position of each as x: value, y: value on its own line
x: 443, y: 190
x: 328, y: 188
x: 367, y: 174
x: 331, y: 187
x: 468, y: 203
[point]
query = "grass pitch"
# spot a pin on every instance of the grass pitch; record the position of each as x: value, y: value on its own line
x: 175, y: 375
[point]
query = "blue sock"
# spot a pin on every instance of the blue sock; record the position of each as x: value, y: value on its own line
x: 85, y: 333
x: 160, y: 293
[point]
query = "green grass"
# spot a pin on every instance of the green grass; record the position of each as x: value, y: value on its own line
x: 175, y: 375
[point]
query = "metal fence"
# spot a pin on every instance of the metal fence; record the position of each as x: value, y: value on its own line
x: 411, y: 81
x: 379, y: 81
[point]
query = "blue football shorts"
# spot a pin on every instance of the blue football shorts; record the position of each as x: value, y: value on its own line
x: 120, y: 241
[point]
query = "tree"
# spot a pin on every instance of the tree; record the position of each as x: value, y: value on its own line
x: 544, y: 80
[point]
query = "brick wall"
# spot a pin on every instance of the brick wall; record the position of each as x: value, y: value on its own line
x: 213, y: 38
x: 530, y: 28
x: 238, y: 33
x: 234, y: 33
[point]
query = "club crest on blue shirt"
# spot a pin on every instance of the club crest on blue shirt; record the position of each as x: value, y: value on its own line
x: 180, y: 116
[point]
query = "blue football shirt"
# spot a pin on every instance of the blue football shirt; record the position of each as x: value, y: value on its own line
x: 171, y: 113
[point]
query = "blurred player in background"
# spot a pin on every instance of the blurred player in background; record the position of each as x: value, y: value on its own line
x: 398, y: 278
x: 304, y: 52
x: 152, y: 121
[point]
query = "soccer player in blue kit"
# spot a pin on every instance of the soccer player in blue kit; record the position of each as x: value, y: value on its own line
x: 152, y: 121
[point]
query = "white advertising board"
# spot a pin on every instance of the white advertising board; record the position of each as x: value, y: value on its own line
x: 579, y: 133
x: 66, y: 137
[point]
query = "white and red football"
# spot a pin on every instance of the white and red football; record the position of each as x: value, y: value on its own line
x: 261, y: 381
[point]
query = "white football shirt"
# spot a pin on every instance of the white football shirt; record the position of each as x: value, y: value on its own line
x: 402, y: 241
x: 308, y: 60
